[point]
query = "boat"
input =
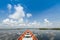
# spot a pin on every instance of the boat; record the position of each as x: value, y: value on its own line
x: 27, y: 35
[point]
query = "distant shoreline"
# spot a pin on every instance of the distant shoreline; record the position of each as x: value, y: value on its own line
x: 49, y: 28
x: 30, y: 28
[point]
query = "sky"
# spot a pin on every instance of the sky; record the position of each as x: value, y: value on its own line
x: 29, y: 13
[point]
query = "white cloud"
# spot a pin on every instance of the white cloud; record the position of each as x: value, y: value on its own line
x: 29, y: 15
x: 9, y: 6
x: 47, y: 22
x: 17, y: 18
x: 9, y: 22
x: 36, y: 24
x: 6, y: 21
x: 19, y: 13
x: 33, y: 24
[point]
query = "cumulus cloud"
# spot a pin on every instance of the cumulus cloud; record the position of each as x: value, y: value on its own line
x: 19, y: 12
x: 13, y: 23
x: 6, y: 21
x: 34, y: 24
x: 17, y: 18
x: 9, y: 22
x: 9, y: 6
x: 47, y: 22
x: 29, y: 15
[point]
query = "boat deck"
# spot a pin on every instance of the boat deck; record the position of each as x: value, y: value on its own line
x: 31, y: 36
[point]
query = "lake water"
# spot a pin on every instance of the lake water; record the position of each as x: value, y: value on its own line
x: 40, y: 34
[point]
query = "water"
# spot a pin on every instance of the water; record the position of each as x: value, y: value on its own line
x: 40, y: 34
x: 49, y: 35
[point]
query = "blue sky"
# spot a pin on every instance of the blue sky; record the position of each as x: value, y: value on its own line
x: 40, y: 9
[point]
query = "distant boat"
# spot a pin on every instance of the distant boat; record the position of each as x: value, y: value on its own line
x: 27, y: 35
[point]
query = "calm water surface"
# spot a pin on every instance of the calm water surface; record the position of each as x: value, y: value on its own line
x: 40, y: 34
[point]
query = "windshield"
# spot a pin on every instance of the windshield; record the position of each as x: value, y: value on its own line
x: 27, y: 36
